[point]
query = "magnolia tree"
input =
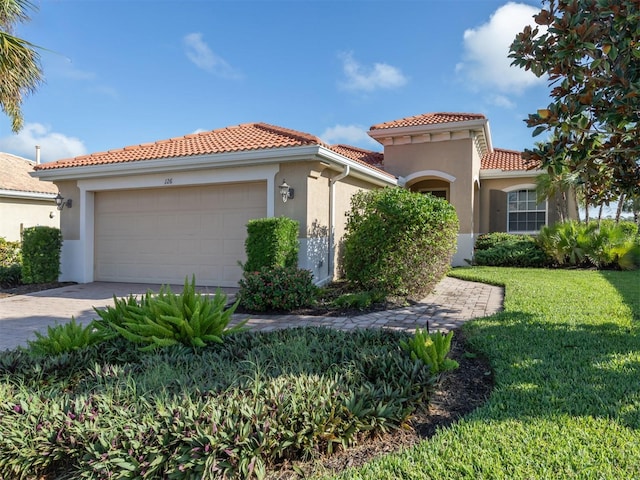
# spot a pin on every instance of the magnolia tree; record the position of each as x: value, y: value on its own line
x: 590, y: 51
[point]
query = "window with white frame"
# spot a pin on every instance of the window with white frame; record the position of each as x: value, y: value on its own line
x: 524, y: 213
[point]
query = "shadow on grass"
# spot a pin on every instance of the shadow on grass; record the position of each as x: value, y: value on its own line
x: 628, y: 286
x: 545, y: 369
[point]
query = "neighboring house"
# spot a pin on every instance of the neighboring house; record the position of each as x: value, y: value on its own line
x: 158, y: 212
x: 24, y: 201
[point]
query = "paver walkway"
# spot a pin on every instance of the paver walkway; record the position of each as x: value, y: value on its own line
x: 451, y: 303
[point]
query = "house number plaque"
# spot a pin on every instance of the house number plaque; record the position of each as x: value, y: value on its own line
x: 168, y: 181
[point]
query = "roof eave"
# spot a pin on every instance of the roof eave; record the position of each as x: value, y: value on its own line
x: 430, y: 128
x: 498, y: 173
x: 216, y: 160
x: 26, y: 195
x: 358, y: 169
x: 172, y: 164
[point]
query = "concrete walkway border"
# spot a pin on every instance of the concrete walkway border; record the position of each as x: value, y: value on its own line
x: 451, y: 304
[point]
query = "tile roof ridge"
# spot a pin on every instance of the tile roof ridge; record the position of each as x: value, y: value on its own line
x: 351, y: 147
x: 421, y: 116
x: 296, y: 134
x: 466, y: 114
x: 508, y: 150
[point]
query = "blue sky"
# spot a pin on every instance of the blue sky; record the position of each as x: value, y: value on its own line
x: 126, y: 72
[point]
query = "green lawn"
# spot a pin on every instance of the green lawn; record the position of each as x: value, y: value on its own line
x: 566, y: 357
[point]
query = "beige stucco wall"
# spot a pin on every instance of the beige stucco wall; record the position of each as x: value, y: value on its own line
x: 311, y: 207
x: 18, y: 213
x: 70, y: 217
x: 449, y: 157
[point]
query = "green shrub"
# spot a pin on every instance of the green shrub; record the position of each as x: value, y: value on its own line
x: 432, y: 349
x: 602, y: 245
x: 9, y: 253
x: 271, y: 242
x: 494, y: 239
x: 64, y: 338
x: 10, y: 276
x: 166, y: 318
x: 277, y: 288
x: 41, y: 254
x: 502, y: 249
x: 398, y: 242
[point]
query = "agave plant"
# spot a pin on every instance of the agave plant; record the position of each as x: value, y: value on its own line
x: 166, y: 318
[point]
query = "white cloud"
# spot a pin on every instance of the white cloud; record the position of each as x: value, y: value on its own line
x: 486, y: 50
x: 204, y: 58
x: 500, y: 101
x: 106, y: 91
x: 53, y: 145
x: 360, y: 78
x: 349, y: 134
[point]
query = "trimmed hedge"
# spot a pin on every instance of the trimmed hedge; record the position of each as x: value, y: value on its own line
x: 399, y: 242
x: 41, y: 254
x: 271, y: 242
x: 501, y: 249
x: 277, y: 289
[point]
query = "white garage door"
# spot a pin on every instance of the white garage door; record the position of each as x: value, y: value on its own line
x: 164, y: 235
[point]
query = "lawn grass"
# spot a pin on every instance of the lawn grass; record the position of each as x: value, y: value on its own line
x: 566, y: 357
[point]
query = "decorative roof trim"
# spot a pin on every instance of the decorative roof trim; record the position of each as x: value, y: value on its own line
x: 495, y: 173
x: 430, y: 132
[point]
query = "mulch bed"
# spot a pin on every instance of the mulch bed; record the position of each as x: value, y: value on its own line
x: 36, y: 287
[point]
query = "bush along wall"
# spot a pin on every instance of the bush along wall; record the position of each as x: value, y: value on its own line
x: 399, y: 242
x: 41, y: 254
x: 501, y: 249
x: 272, y: 280
x: 271, y: 242
x: 10, y: 264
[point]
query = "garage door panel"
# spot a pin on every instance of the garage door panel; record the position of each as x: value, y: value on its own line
x: 164, y: 235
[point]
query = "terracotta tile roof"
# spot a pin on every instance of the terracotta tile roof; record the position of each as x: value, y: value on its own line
x: 429, y: 119
x: 368, y: 157
x: 14, y: 175
x: 501, y: 159
x: 244, y: 137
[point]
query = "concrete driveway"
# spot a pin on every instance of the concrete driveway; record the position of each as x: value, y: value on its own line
x: 22, y: 315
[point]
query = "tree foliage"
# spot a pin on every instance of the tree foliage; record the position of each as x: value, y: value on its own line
x: 590, y: 50
x: 20, y: 70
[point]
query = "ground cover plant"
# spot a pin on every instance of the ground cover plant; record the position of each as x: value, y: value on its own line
x: 232, y: 410
x: 565, y: 353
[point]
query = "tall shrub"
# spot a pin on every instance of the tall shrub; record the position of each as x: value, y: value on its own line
x: 41, y: 254
x: 398, y: 242
x: 271, y: 242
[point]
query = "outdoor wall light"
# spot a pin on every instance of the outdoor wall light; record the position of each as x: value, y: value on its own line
x: 61, y: 202
x: 286, y: 192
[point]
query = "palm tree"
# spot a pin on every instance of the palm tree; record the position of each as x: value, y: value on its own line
x: 20, y: 71
x: 560, y: 186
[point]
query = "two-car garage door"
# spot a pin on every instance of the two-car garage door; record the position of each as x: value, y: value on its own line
x: 163, y: 235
